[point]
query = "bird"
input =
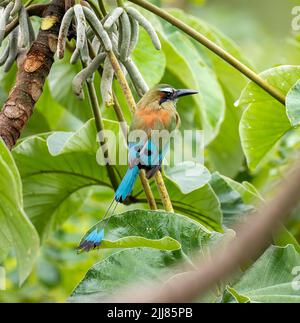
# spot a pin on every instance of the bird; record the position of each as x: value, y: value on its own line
x: 156, y: 112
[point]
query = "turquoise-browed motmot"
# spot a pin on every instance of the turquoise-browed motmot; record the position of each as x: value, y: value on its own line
x: 155, y: 112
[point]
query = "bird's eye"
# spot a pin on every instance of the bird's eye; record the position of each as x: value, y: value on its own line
x: 169, y: 95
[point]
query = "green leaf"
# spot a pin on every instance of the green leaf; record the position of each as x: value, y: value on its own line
x: 17, y: 232
x: 247, y: 191
x: 232, y: 205
x: 265, y: 121
x: 272, y: 278
x: 227, y: 145
x: 165, y: 243
x: 150, y: 62
x: 54, y: 185
x: 155, y: 225
x: 60, y: 82
x: 293, y: 105
x: 141, y: 264
x: 238, y: 297
x: 130, y: 266
x: 189, y: 176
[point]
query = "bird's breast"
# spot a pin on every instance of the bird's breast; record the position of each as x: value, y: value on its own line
x: 155, y: 119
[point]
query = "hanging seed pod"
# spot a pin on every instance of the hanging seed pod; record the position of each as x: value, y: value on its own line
x: 125, y: 36
x: 96, y: 45
x: 86, y: 73
x: 89, y: 33
x: 96, y: 24
x: 146, y: 25
x: 4, y: 55
x: 106, y: 83
x: 17, y: 7
x: 136, y: 77
x: 112, y: 18
x: 63, y: 32
x: 80, y: 27
x: 24, y: 30
x: 115, y: 43
x: 75, y: 56
x: 3, y: 3
x: 134, y: 35
x: 13, y: 49
x: 84, y: 53
x: 4, y: 20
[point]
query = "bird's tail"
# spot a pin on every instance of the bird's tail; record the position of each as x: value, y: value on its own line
x: 94, y: 237
x: 127, y: 184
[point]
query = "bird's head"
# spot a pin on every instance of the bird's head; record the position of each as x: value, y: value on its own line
x: 164, y: 96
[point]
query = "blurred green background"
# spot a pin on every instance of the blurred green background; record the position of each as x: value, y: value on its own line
x: 262, y: 29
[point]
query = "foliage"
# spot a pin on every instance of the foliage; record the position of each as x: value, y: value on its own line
x: 52, y: 190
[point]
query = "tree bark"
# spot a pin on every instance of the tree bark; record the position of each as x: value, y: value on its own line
x: 33, y: 70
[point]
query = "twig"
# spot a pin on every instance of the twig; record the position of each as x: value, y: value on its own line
x: 100, y: 127
x: 275, y: 93
x: 102, y: 8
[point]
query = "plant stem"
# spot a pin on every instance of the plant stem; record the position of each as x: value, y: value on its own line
x: 102, y: 7
x: 120, y: 3
x: 96, y: 10
x: 163, y: 192
x: 275, y: 93
x: 100, y: 127
x: 28, y: 3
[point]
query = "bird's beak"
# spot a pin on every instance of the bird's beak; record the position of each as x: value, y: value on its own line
x: 184, y: 92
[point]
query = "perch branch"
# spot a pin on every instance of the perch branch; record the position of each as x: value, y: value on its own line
x: 275, y: 93
x: 33, y: 70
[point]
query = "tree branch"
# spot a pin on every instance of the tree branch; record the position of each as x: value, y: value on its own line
x: 33, y: 70
x: 275, y: 93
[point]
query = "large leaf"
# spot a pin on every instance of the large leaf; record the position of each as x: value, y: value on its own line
x: 189, y: 176
x: 156, y: 225
x: 150, y: 61
x: 16, y: 232
x: 293, y: 105
x: 165, y: 243
x: 141, y: 264
x: 227, y: 145
x: 232, y: 204
x: 60, y: 82
x: 52, y: 184
x: 130, y: 266
x: 272, y: 278
x: 265, y: 121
